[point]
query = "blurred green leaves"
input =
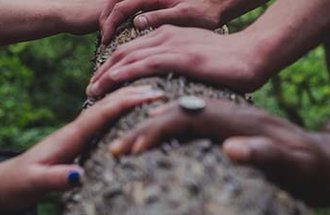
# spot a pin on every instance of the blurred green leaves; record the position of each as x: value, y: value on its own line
x: 41, y: 86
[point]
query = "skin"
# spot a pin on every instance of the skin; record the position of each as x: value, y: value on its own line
x: 192, y: 13
x: 296, y: 159
x: 243, y: 61
x: 27, y: 20
x: 45, y: 167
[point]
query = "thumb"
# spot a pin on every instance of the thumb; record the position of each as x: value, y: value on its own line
x: 158, y: 17
x: 58, y: 177
x: 258, y: 151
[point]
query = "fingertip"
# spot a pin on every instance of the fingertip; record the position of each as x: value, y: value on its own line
x: 116, y: 147
x: 94, y: 89
x: 139, y: 145
x: 88, y: 90
x: 237, y: 149
x: 105, y: 37
x: 141, y: 22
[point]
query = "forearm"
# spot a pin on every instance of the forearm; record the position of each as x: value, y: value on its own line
x: 287, y: 31
x: 232, y: 9
x: 27, y: 20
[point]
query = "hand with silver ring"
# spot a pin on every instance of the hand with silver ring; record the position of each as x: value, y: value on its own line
x: 295, y: 158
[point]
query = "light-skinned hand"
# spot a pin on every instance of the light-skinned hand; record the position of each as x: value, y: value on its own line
x: 48, y: 165
x: 190, y: 13
x: 230, y: 60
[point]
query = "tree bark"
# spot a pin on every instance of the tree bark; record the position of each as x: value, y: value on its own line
x: 185, y: 176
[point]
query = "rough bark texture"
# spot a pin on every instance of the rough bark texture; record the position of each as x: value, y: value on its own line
x: 186, y: 176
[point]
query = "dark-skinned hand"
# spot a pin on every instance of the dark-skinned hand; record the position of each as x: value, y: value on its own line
x: 296, y: 159
x: 47, y: 166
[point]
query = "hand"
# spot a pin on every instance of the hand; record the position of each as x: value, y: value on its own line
x: 48, y: 165
x: 228, y: 60
x: 190, y: 13
x: 299, y: 161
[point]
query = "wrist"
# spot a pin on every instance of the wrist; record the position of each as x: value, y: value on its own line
x: 231, y: 9
x: 253, y: 64
x: 78, y: 17
x: 55, y: 13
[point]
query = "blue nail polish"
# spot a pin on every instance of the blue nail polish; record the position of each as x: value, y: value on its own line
x: 74, y: 178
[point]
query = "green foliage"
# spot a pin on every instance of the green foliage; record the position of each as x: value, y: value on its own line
x: 41, y: 87
x: 305, y: 87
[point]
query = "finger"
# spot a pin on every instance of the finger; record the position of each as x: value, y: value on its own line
x: 124, y: 10
x: 138, y: 55
x: 289, y: 167
x: 106, y: 11
x: 254, y: 150
x: 56, y: 178
x: 275, y: 158
x: 121, y: 53
x: 151, y: 132
x: 152, y: 65
x: 159, y: 17
x: 180, y: 15
x: 67, y: 143
x: 160, y: 110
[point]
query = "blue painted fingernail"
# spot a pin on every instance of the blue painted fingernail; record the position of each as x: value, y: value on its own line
x: 74, y: 178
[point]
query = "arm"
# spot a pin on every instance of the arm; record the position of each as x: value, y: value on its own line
x: 191, y: 13
x: 48, y: 165
x: 27, y: 20
x: 288, y: 30
x: 297, y: 160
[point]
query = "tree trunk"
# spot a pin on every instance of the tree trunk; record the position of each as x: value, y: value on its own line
x: 190, y: 176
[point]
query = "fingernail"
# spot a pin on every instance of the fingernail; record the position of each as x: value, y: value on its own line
x: 154, y: 92
x: 115, y: 73
x: 116, y: 147
x: 142, y: 22
x: 138, y: 145
x: 92, y: 79
x: 157, y: 111
x: 95, y: 89
x: 237, y: 150
x: 143, y: 88
x: 74, y: 178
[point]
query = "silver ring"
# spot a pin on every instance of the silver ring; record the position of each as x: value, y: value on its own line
x: 192, y: 104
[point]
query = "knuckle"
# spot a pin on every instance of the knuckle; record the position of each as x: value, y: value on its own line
x: 119, y: 53
x: 153, y: 64
x: 119, y: 10
x: 192, y: 58
x: 131, y: 58
x: 185, y: 9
